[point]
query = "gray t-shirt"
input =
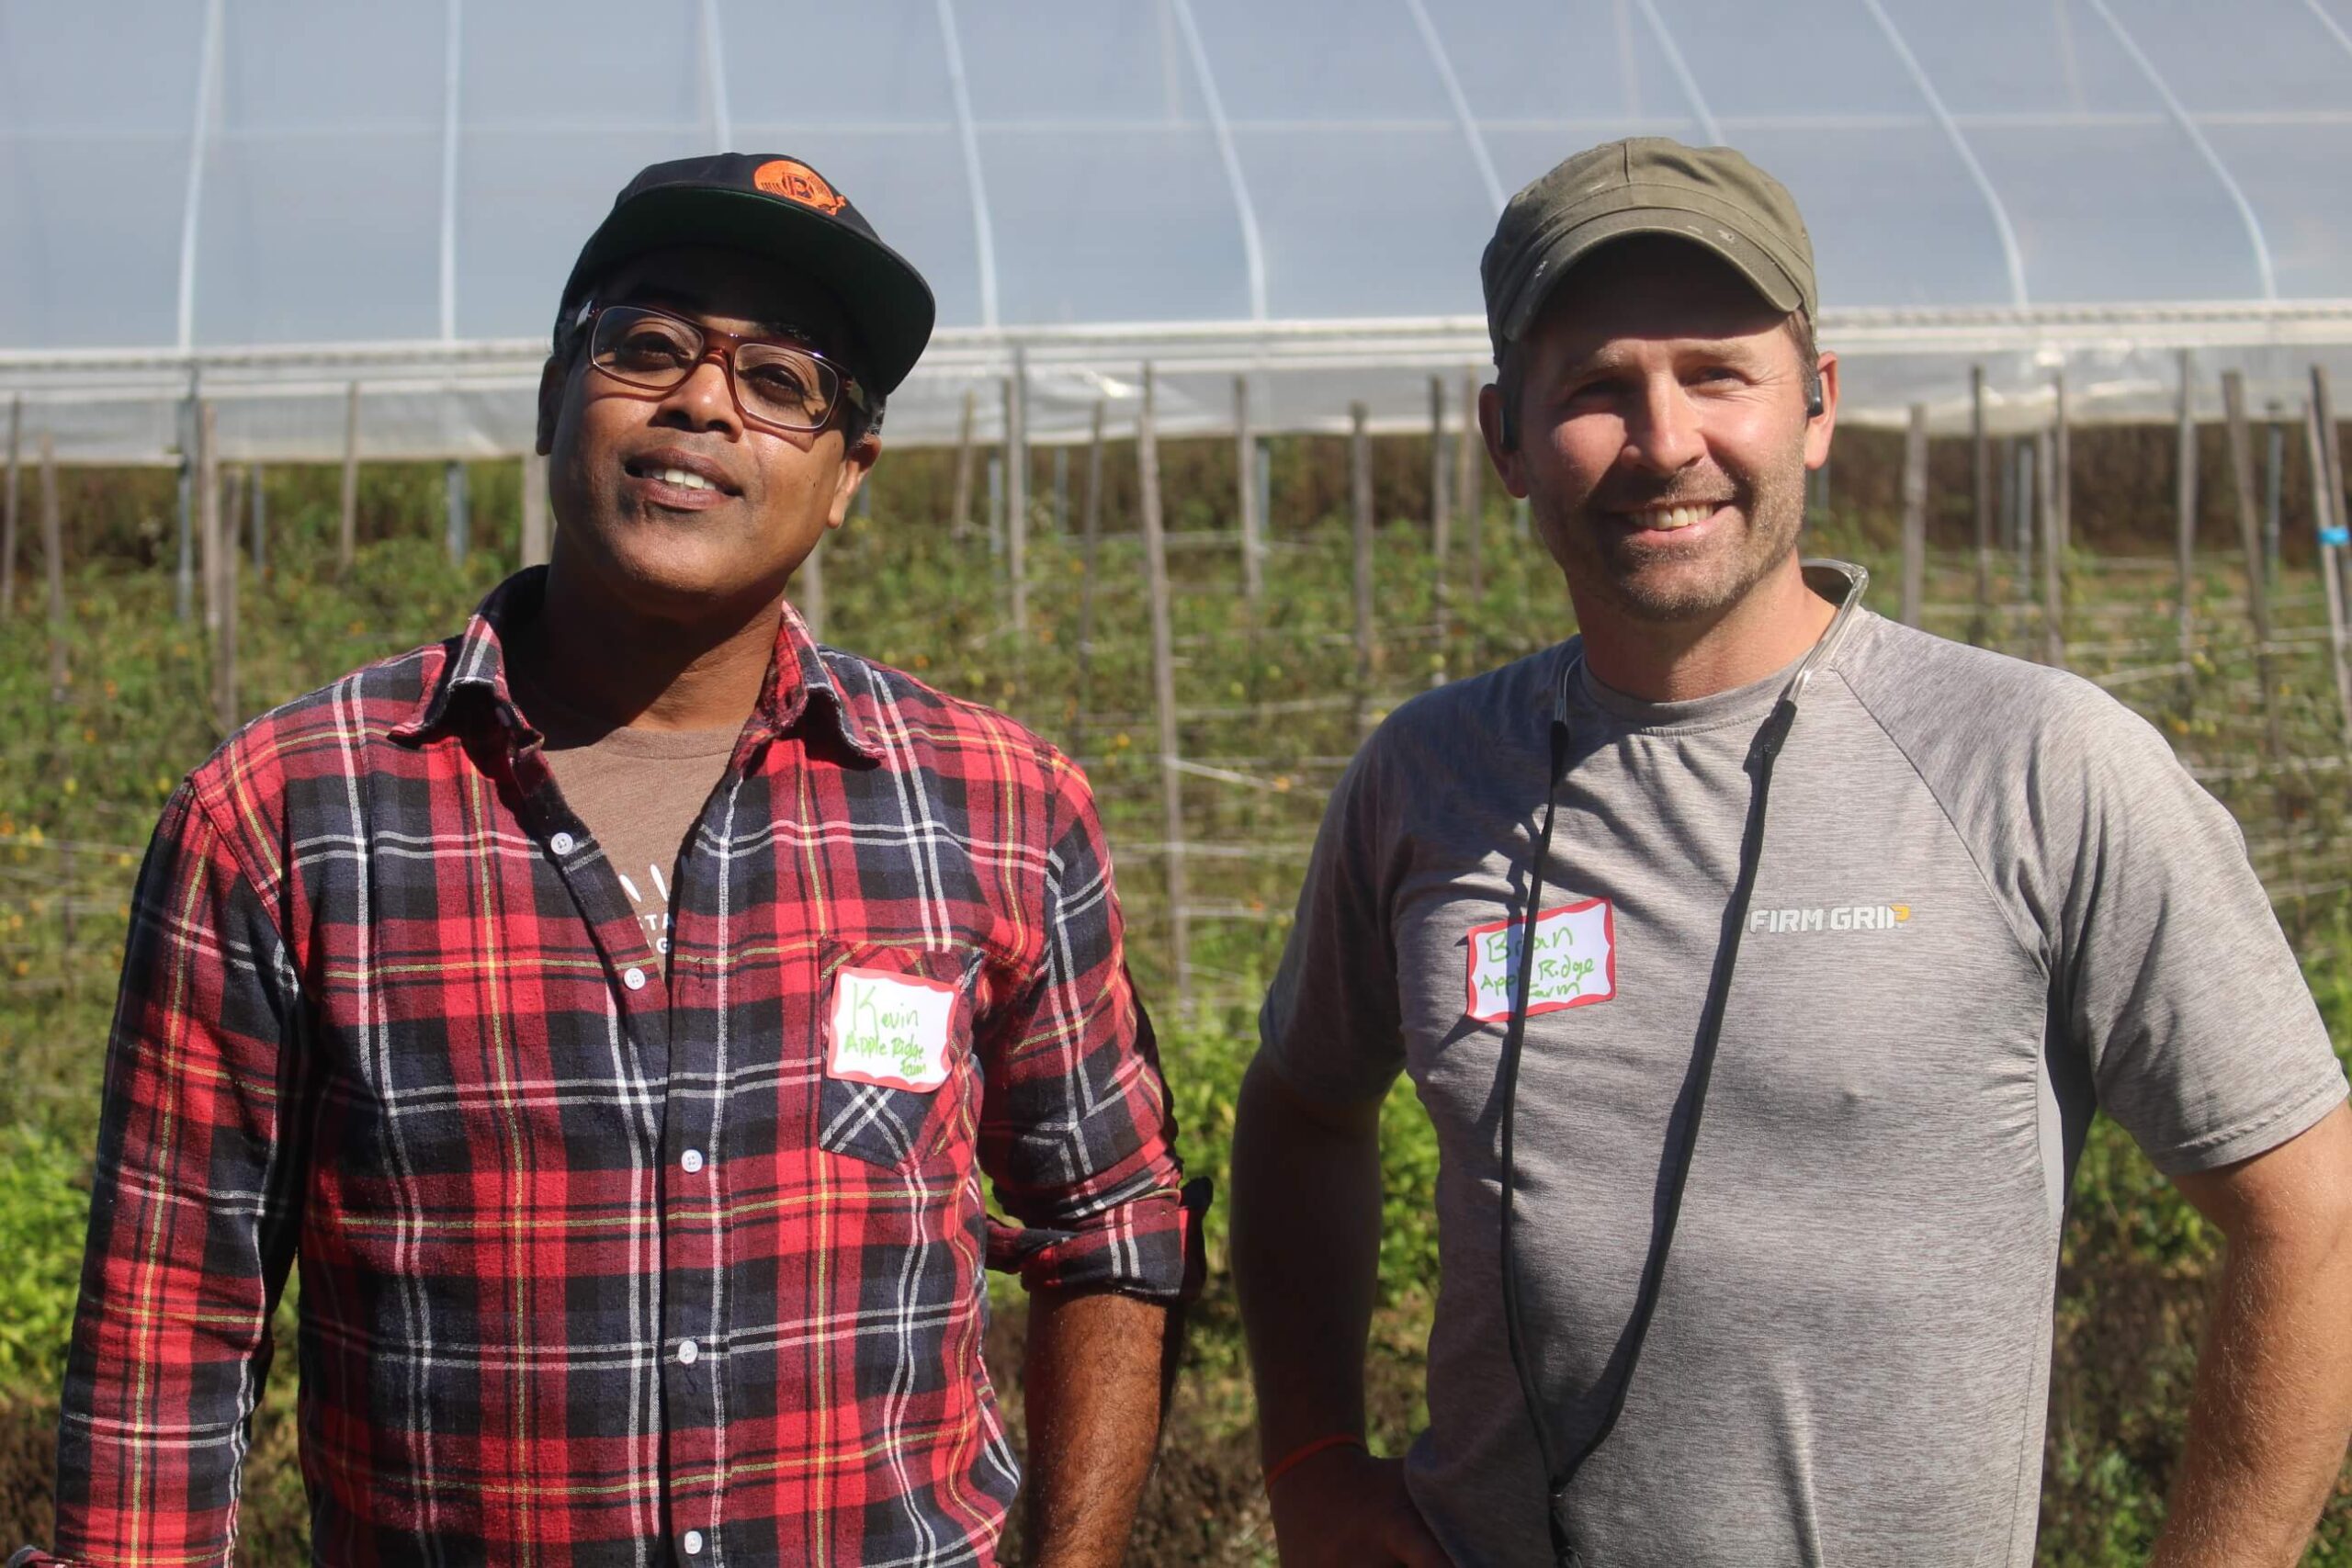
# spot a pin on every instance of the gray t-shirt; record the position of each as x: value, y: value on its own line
x: 1990, y: 900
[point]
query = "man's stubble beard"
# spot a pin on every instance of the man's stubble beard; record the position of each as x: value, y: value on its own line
x: 1598, y: 560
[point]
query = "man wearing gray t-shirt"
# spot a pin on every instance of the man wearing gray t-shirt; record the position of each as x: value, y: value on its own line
x: 1754, y: 1156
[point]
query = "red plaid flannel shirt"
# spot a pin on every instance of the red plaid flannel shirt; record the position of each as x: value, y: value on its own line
x: 597, y: 1269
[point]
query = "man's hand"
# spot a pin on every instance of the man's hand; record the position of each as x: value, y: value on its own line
x: 1343, y: 1508
x: 1305, y: 1259
x: 2273, y: 1408
x: 1091, y: 1379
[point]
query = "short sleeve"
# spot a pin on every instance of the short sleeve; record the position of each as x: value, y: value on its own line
x: 1330, y: 1027
x: 2199, y: 1034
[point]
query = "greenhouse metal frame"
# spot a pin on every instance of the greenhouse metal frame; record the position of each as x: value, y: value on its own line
x: 264, y: 202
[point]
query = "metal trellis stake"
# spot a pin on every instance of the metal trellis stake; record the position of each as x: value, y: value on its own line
x: 1163, y: 691
x: 1360, y: 487
x: 1245, y: 485
x: 1090, y: 569
x: 2258, y: 602
x: 1915, y: 514
x: 2185, y: 513
x: 2328, y: 514
x: 347, y: 529
x: 52, y: 547
x: 8, y: 507
x: 1440, y: 524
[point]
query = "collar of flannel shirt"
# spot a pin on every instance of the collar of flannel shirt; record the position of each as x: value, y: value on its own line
x: 799, y: 686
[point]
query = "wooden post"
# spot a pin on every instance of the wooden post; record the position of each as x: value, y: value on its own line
x: 52, y: 546
x: 1981, y: 627
x: 2331, y: 518
x: 996, y: 512
x: 1090, y: 569
x: 960, y: 512
x: 536, y: 540
x: 1163, y: 692
x: 1469, y: 503
x: 2331, y: 442
x: 457, y: 511
x: 347, y: 534
x: 2051, y: 477
x: 227, y: 667
x: 2184, y: 509
x: 207, y: 512
x: 257, y: 520
x: 1441, y: 525
x: 2327, y: 511
x: 1915, y: 514
x: 1016, y: 494
x: 2025, y: 456
x: 2258, y: 602
x: 9, y: 507
x: 2045, y: 512
x: 184, y: 574
x: 2274, y: 498
x: 1245, y: 484
x: 1360, y: 489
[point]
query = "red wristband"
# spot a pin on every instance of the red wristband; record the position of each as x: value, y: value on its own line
x: 1305, y: 1451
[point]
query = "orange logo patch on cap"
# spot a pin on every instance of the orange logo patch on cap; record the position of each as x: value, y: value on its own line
x: 796, y: 181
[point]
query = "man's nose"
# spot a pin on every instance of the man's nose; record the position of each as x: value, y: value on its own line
x: 1662, y: 430
x: 705, y: 397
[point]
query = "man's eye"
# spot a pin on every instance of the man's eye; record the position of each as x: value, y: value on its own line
x: 780, y: 382
x: 650, y: 350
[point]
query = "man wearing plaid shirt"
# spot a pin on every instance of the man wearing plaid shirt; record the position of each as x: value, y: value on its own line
x: 637, y: 1228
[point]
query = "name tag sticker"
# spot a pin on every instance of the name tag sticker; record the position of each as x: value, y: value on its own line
x: 1576, y: 962
x: 890, y: 1029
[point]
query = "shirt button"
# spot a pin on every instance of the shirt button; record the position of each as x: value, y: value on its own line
x: 562, y: 843
x: 634, y: 978
x: 687, y: 1352
x: 693, y: 1543
x: 692, y: 1160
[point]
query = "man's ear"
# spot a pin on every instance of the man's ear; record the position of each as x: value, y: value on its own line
x: 857, y: 464
x: 553, y: 375
x: 1820, y: 426
x: 1505, y: 458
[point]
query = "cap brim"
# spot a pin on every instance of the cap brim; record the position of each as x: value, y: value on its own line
x: 1751, y: 261
x: 889, y: 303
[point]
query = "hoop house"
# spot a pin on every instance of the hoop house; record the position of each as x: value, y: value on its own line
x: 269, y: 200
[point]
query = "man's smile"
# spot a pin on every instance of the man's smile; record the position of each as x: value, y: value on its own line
x: 675, y: 478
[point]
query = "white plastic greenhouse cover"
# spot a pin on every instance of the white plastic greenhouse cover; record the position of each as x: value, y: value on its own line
x: 274, y: 198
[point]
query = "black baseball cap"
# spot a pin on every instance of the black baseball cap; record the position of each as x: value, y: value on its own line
x: 772, y: 206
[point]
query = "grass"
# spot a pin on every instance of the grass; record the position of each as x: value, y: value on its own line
x: 1272, y: 707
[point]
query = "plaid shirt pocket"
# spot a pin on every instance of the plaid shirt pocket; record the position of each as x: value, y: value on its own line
x: 885, y: 1123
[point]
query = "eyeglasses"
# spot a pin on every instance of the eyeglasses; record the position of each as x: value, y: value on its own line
x: 777, y: 387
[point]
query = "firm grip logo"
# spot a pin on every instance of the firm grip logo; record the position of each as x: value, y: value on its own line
x: 1836, y: 917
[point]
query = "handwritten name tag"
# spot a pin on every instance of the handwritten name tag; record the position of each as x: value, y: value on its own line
x: 890, y: 1029
x: 1576, y: 962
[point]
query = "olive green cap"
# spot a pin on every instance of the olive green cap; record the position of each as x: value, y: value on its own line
x: 1649, y: 185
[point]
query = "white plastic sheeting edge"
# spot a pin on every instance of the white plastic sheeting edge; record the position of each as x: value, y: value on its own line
x: 431, y: 400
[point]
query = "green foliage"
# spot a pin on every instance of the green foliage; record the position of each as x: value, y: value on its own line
x: 44, y: 1206
x: 93, y: 771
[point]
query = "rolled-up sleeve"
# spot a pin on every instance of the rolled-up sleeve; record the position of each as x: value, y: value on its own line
x: 191, y: 1216
x: 1075, y: 1130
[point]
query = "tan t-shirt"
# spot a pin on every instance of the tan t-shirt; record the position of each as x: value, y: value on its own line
x: 639, y: 792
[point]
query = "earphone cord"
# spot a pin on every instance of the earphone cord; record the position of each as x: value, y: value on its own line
x: 1558, y: 1474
